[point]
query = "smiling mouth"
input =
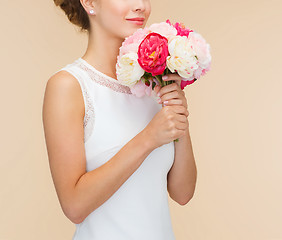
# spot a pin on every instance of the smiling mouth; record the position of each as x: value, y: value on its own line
x: 137, y: 22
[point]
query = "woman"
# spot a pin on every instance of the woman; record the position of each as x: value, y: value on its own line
x: 112, y: 154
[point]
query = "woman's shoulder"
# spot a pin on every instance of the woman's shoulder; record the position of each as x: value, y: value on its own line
x: 63, y: 81
x: 63, y: 94
x: 68, y: 95
x: 65, y: 78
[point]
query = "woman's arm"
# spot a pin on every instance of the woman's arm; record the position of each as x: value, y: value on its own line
x: 183, y: 173
x: 182, y: 176
x: 81, y: 192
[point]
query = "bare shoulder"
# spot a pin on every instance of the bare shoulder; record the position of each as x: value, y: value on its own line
x: 64, y: 85
x: 63, y: 100
x: 62, y: 114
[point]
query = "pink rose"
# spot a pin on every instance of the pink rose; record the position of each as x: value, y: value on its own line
x: 163, y: 29
x: 140, y: 88
x: 185, y: 83
x: 152, y: 53
x: 131, y: 43
x: 180, y: 27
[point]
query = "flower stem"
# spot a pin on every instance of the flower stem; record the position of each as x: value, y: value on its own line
x: 159, y: 79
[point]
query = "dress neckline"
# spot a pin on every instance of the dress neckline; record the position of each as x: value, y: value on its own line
x: 102, y: 78
x: 97, y: 71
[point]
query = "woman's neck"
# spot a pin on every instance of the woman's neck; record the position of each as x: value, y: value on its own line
x: 102, y: 52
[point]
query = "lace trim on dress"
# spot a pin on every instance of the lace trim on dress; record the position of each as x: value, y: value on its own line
x: 89, y: 117
x: 103, y: 79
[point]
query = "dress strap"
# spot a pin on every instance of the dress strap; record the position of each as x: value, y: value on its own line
x: 89, y: 116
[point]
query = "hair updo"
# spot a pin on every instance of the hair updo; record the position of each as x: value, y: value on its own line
x: 75, y: 13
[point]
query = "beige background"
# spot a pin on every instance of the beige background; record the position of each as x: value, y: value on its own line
x: 235, y: 119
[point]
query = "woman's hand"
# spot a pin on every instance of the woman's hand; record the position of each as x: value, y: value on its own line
x: 167, y: 125
x: 171, y: 94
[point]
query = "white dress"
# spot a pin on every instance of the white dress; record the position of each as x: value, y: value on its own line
x: 139, y: 209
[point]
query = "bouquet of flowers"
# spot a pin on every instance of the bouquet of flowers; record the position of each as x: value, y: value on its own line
x: 163, y: 48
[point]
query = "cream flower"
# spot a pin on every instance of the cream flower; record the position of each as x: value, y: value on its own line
x: 128, y: 69
x: 182, y: 57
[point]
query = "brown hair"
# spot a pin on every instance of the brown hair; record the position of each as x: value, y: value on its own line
x: 75, y: 13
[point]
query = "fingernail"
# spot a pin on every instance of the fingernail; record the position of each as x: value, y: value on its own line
x: 165, y: 102
x: 159, y: 94
x: 165, y: 77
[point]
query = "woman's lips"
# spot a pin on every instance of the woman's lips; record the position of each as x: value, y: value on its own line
x: 138, y: 22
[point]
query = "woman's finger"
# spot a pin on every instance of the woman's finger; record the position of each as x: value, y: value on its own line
x: 168, y: 88
x: 179, y: 109
x: 172, y: 102
x: 173, y: 76
x: 170, y: 95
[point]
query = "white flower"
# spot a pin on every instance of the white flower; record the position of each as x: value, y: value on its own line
x: 182, y: 57
x: 128, y: 69
x: 202, y: 49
